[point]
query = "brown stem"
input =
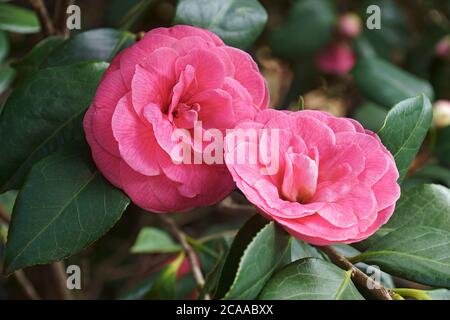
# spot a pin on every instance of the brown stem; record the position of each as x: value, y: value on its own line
x: 188, y: 250
x: 46, y: 22
x: 26, y: 285
x: 378, y: 291
x: 59, y: 272
x: 60, y: 16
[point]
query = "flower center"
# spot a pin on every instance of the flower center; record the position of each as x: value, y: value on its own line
x: 185, y: 116
x: 300, y: 177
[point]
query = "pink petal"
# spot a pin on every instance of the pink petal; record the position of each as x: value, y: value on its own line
x: 300, y: 178
x: 110, y: 90
x: 216, y: 110
x: 137, y: 144
x: 209, y: 69
x: 108, y: 164
x: 152, y: 193
x: 247, y: 73
x: 101, y: 127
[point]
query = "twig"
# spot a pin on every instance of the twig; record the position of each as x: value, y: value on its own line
x: 60, y: 16
x: 188, y: 250
x: 378, y: 291
x: 59, y: 272
x: 46, y: 22
x: 26, y: 285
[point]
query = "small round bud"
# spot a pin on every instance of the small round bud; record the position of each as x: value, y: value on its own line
x: 441, y: 113
x: 349, y: 25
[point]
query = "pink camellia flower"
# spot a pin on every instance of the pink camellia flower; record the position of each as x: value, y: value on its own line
x: 335, y: 183
x: 337, y: 58
x: 171, y: 79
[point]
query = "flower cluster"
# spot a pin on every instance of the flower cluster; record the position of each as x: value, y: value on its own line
x: 332, y: 180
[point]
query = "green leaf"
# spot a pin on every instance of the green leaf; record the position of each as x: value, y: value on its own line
x: 371, y: 116
x: 255, y: 254
x: 16, y: 19
x: 439, y: 294
x: 4, y: 46
x: 300, y: 250
x: 7, y: 75
x: 97, y: 44
x: 64, y: 206
x: 153, y: 240
x: 42, y: 114
x: 435, y: 173
x: 310, y: 279
x: 443, y: 146
x: 33, y: 60
x: 404, y: 130
x: 393, y: 33
x: 425, y: 205
x: 362, y: 47
x: 164, y: 287
x: 420, y: 254
x: 387, y: 84
x: 308, y: 28
x: 238, y: 23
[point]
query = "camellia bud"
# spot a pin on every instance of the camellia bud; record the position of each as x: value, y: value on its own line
x: 349, y: 25
x: 442, y: 48
x: 336, y: 58
x: 441, y: 113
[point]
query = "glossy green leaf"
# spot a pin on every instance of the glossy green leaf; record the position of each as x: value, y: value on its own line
x: 434, y: 173
x: 371, y: 116
x: 439, y: 294
x: 363, y: 48
x: 17, y: 19
x: 64, y: 206
x: 4, y: 46
x: 420, y: 254
x: 393, y: 33
x: 7, y: 75
x: 387, y: 84
x: 310, y: 279
x: 255, y: 254
x: 97, y: 44
x: 42, y: 114
x: 300, y: 250
x: 443, y: 146
x: 34, y: 59
x: 425, y: 205
x: 153, y: 240
x: 164, y: 286
x: 404, y: 130
x: 238, y: 23
x: 309, y: 26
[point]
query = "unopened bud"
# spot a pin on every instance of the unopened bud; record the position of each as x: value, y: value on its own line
x: 349, y: 25
x: 441, y: 113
